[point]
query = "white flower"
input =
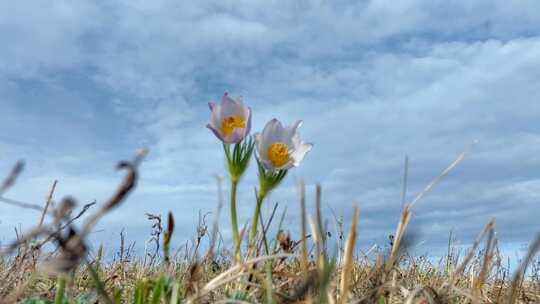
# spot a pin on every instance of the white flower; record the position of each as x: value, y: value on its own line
x: 231, y: 120
x: 280, y: 148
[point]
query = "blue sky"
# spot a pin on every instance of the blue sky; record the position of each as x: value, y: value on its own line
x: 86, y: 83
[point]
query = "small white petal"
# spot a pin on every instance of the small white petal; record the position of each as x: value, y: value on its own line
x: 239, y: 100
x: 290, y: 132
x: 248, y: 120
x: 300, y: 152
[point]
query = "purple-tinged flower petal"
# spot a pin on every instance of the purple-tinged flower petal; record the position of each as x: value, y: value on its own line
x: 258, y: 141
x: 229, y: 107
x: 236, y: 136
x: 216, y: 132
x: 267, y: 164
x: 215, y: 117
x: 244, y: 111
x: 274, y: 132
x: 270, y: 134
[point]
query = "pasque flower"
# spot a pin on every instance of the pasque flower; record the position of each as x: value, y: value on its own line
x: 280, y: 148
x: 230, y: 120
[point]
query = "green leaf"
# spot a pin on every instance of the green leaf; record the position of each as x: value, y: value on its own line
x: 175, y: 293
x: 157, y: 291
x: 238, y: 161
x: 87, y: 298
x: 139, y: 293
x: 60, y: 290
x: 36, y: 301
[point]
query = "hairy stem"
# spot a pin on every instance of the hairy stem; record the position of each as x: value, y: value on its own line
x: 255, y: 220
x: 236, y: 235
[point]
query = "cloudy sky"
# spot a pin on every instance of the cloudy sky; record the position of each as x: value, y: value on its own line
x: 84, y: 84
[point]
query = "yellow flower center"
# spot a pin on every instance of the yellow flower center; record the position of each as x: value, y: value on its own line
x: 278, y: 154
x: 232, y: 122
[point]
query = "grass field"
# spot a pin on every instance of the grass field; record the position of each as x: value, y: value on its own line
x: 51, y: 263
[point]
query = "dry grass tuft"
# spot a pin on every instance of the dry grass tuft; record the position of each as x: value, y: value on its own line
x: 51, y: 262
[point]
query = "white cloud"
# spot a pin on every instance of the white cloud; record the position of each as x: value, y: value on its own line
x: 41, y: 37
x: 372, y: 82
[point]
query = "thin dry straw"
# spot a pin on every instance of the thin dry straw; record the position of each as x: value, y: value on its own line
x: 73, y: 219
x: 232, y: 301
x: 400, y: 233
x: 48, y: 202
x: 405, y: 178
x: 346, y: 269
x: 321, y: 246
x: 264, y: 227
x: 488, y: 256
x: 12, y: 177
x: 215, y: 226
x: 228, y: 275
x: 303, y: 245
x: 518, y: 276
x: 316, y: 233
x: 430, y: 186
x: 9, y: 182
x: 126, y: 186
x: 405, y: 215
x: 470, y: 255
x: 420, y: 289
x: 20, y: 204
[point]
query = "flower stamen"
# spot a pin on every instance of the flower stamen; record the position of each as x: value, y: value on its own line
x: 278, y: 154
x: 232, y: 122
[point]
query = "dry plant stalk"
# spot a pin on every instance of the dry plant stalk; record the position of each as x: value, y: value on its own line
x: 71, y: 244
x: 303, y: 244
x: 347, y: 267
x: 399, y: 279
x: 12, y: 177
x: 518, y: 276
x: 47, y: 203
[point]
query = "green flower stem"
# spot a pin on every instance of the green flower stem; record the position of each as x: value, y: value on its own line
x: 234, y: 220
x: 255, y: 220
x: 237, y: 162
x: 60, y: 289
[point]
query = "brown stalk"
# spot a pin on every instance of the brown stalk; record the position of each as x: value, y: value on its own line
x: 303, y: 245
x: 346, y: 269
x: 126, y: 186
x: 518, y: 275
x: 459, y: 270
x: 12, y: 177
x: 400, y: 233
x: 486, y: 263
x: 321, y: 244
x: 47, y: 203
